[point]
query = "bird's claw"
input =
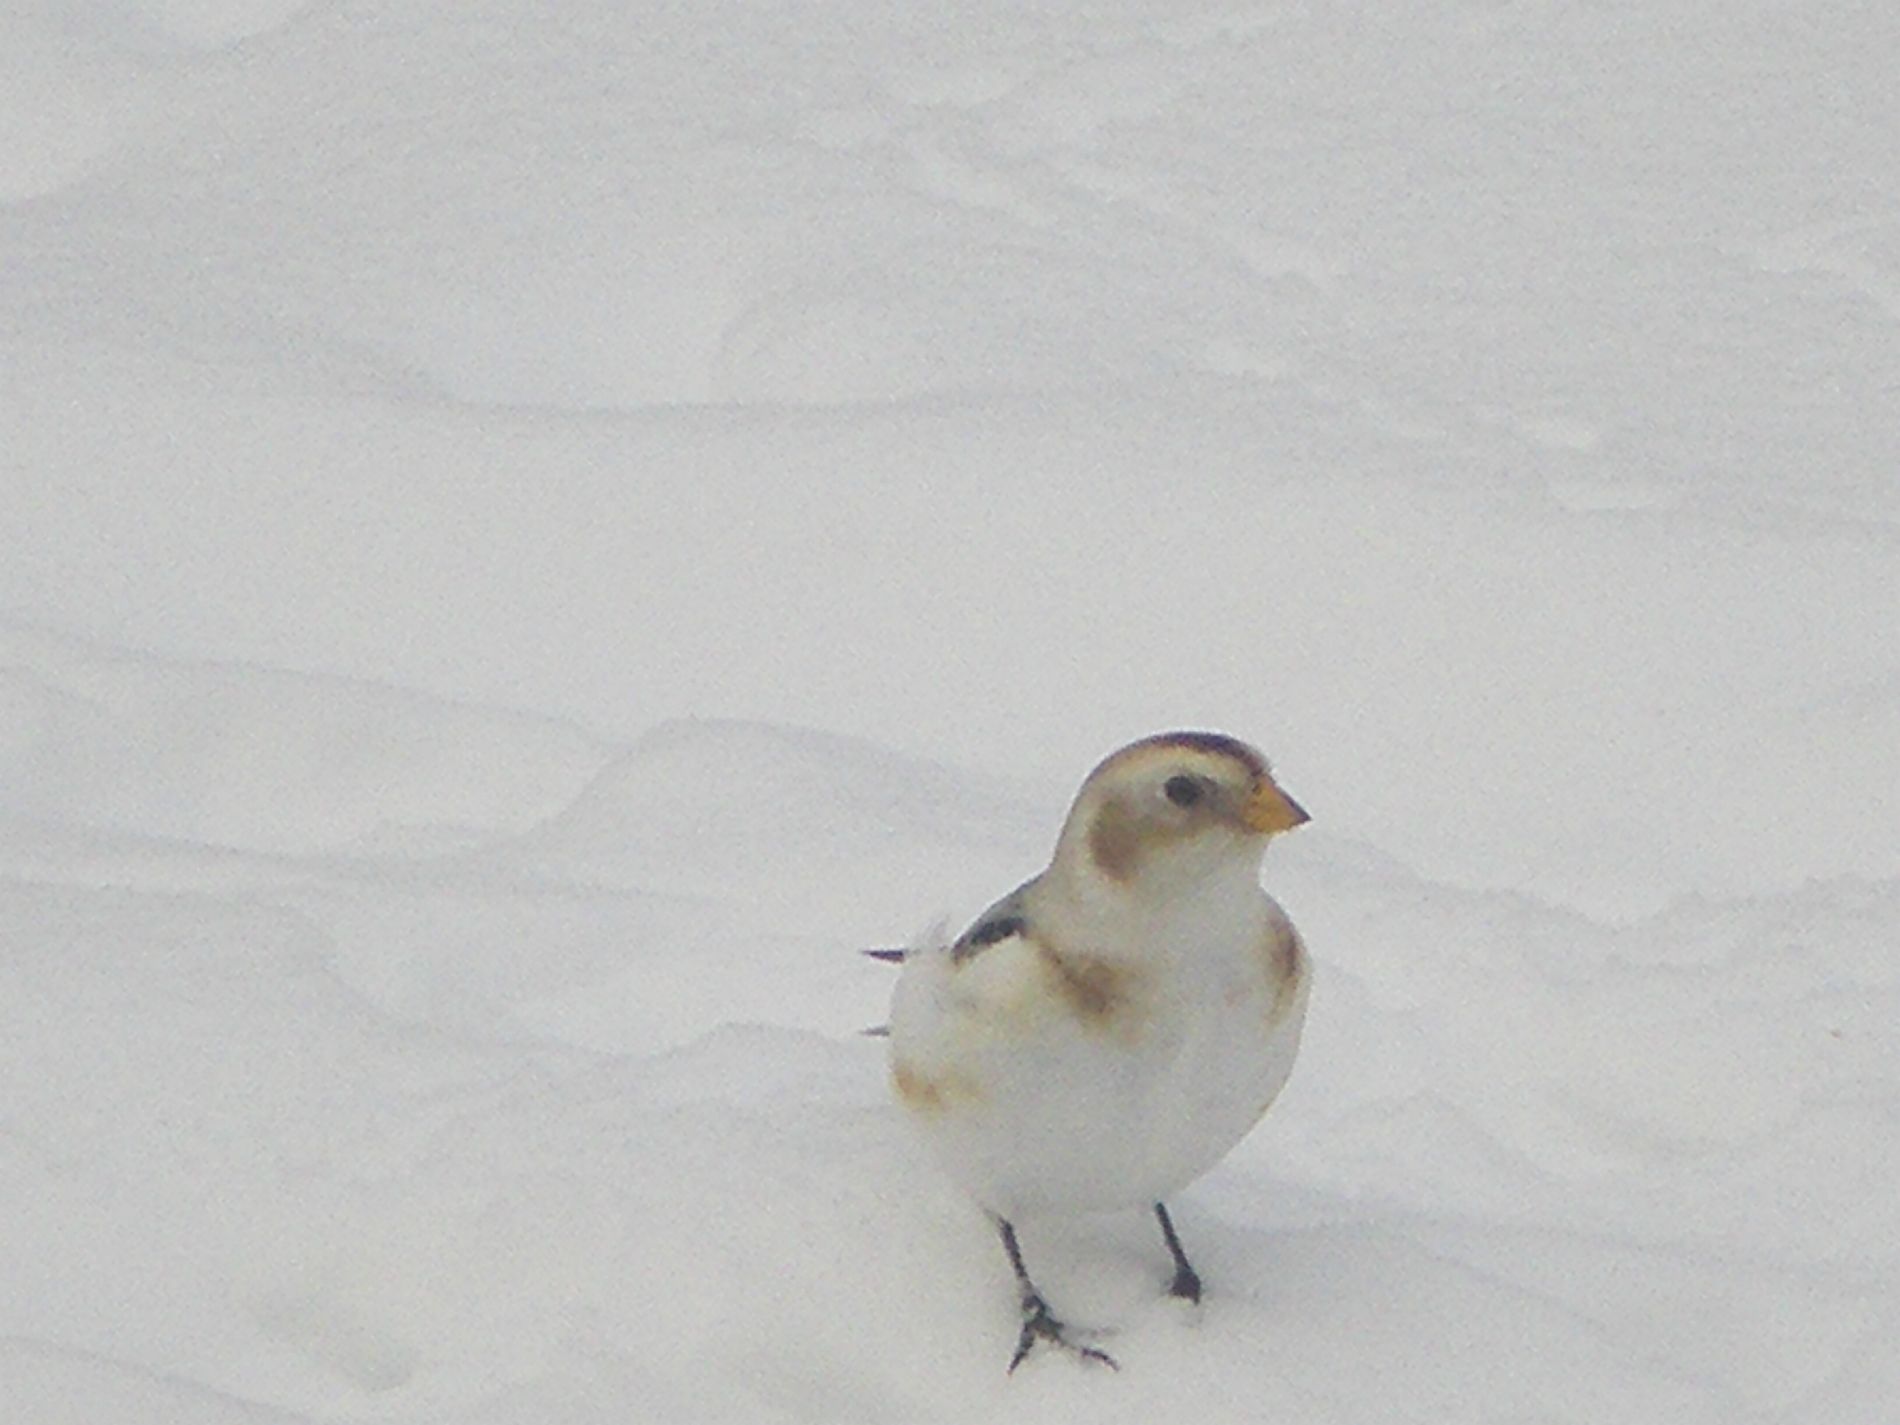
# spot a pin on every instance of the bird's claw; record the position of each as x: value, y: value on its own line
x: 1040, y: 1325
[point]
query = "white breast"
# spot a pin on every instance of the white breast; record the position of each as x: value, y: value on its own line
x: 1034, y: 1109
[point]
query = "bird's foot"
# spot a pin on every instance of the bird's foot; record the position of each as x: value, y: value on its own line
x: 1186, y: 1285
x: 1039, y: 1324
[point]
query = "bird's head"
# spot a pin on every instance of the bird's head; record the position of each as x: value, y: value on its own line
x: 1171, y: 812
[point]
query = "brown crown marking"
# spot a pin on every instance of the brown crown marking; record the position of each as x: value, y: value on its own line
x: 1215, y: 744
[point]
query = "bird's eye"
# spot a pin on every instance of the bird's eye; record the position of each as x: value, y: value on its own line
x: 1182, y: 791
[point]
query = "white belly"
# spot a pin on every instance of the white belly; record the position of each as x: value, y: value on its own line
x: 1072, y: 1119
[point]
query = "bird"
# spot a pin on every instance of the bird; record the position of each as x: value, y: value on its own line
x: 1105, y: 1033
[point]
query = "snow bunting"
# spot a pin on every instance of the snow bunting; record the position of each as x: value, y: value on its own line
x: 1106, y: 1032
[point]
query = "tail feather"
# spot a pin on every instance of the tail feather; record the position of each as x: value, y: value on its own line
x: 889, y: 957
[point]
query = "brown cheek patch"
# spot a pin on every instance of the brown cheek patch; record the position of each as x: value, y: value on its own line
x: 1119, y: 837
x: 925, y: 1095
x: 1115, y: 841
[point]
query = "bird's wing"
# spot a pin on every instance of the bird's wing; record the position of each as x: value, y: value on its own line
x: 1006, y: 918
x: 928, y: 968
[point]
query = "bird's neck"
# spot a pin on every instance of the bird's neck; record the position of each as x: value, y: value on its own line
x: 1151, y: 915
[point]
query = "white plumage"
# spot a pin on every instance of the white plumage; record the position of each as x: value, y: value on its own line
x: 1107, y: 1032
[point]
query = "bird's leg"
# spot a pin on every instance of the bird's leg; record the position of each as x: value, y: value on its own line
x: 1039, y: 1323
x: 1187, y: 1281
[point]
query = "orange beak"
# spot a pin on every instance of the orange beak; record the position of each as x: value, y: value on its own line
x: 1270, y: 810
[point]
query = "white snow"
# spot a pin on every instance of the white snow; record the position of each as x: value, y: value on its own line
x: 532, y: 533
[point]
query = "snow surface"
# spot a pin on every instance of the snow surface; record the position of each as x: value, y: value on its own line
x: 533, y: 532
